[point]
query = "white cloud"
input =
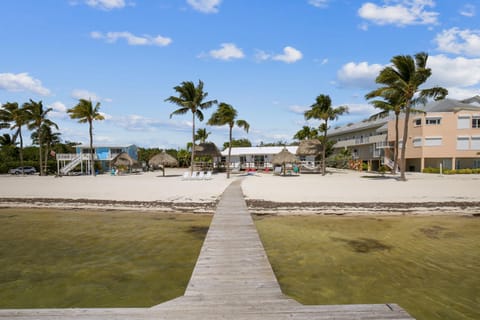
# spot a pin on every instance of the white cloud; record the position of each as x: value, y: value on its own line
x: 361, y: 109
x: 453, y: 72
x: 22, y: 82
x: 298, y: 109
x: 261, y: 55
x: 290, y: 55
x: 228, y: 51
x: 468, y: 10
x: 106, y: 4
x: 462, y: 93
x: 205, y: 6
x: 133, y: 40
x: 358, y: 75
x: 399, y: 12
x: 459, y: 41
x: 319, y: 3
x: 59, y: 110
x: 88, y: 95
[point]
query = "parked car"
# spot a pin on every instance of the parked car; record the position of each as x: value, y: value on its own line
x: 26, y: 170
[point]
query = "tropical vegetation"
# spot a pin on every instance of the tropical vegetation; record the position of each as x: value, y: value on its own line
x: 401, y: 84
x: 227, y: 115
x: 85, y: 112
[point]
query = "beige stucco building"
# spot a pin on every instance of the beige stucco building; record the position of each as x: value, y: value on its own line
x: 445, y: 133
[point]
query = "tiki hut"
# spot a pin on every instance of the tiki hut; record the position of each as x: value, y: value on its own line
x: 163, y: 159
x: 310, y: 147
x: 123, y: 160
x: 207, y: 149
x: 284, y: 157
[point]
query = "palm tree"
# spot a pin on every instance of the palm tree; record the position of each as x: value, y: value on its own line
x: 404, y: 77
x: 48, y: 139
x: 322, y: 110
x: 306, y: 133
x: 6, y: 140
x: 37, y: 117
x: 85, y: 112
x: 392, y: 102
x: 13, y: 116
x: 191, y: 98
x: 226, y: 115
x: 202, y: 135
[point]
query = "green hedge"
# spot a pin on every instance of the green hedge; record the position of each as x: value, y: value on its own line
x: 450, y: 171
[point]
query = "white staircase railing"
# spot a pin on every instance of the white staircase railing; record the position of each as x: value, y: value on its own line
x: 72, y: 164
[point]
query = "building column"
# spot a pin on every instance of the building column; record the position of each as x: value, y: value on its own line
x: 422, y: 163
x: 454, y: 164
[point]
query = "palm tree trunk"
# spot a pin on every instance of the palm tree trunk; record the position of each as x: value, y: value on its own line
x: 395, y: 147
x: 403, y: 161
x: 229, y: 152
x: 21, y: 148
x: 92, y: 163
x: 193, y: 143
x: 46, y: 158
x: 40, y: 152
x: 324, y: 149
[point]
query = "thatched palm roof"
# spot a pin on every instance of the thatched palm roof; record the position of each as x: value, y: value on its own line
x: 207, y: 149
x: 310, y: 147
x: 284, y: 157
x: 162, y: 159
x: 123, y: 159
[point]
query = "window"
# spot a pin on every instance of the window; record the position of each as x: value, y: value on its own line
x: 476, y: 122
x: 417, y: 142
x: 433, y: 141
x: 475, y: 145
x: 463, y: 143
x: 417, y: 122
x: 433, y: 121
x: 463, y: 122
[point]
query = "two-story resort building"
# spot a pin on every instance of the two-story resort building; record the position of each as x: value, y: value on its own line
x: 444, y: 133
x: 103, y: 154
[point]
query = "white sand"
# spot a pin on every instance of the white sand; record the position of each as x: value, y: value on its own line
x: 337, y: 186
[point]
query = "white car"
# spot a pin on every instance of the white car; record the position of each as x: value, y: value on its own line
x: 26, y: 170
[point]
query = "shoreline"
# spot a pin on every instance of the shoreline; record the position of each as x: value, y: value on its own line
x: 255, y: 207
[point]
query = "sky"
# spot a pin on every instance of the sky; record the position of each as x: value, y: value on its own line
x: 269, y: 59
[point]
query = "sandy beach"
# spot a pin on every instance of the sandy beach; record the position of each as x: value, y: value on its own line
x: 339, y: 192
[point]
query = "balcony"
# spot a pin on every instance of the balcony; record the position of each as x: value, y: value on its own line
x: 362, y: 141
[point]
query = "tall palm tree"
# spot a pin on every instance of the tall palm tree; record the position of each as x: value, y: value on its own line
x: 322, y: 110
x: 405, y: 76
x: 202, y: 135
x: 6, y: 140
x: 14, y: 117
x: 191, y: 98
x: 85, y: 112
x: 392, y: 102
x: 37, y: 117
x: 227, y: 115
x: 306, y: 133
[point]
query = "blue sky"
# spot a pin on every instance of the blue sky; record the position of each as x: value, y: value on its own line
x: 267, y: 58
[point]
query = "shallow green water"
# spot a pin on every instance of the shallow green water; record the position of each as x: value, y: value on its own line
x: 58, y: 259
x: 430, y: 266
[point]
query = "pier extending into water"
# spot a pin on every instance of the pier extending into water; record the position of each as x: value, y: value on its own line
x: 232, y: 279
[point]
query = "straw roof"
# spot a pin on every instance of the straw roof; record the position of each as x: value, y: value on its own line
x: 207, y: 149
x: 123, y: 159
x: 162, y: 159
x: 310, y: 147
x: 283, y: 157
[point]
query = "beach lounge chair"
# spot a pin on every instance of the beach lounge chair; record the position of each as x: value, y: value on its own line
x: 277, y: 171
x: 201, y: 175
x: 186, y: 175
x: 208, y: 176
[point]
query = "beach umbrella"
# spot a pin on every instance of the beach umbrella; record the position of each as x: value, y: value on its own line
x: 309, y: 147
x: 123, y: 159
x: 284, y: 157
x: 163, y: 159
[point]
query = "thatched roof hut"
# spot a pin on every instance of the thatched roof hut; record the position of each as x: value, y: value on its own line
x: 123, y: 159
x: 162, y: 159
x: 310, y: 147
x: 284, y: 157
x: 207, y: 149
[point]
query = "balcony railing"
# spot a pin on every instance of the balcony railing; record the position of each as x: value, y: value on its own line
x: 361, y: 141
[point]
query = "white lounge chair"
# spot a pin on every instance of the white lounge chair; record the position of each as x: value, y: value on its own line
x: 200, y: 175
x: 208, y: 176
x: 186, y: 175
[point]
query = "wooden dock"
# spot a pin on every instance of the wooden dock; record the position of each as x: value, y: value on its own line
x: 232, y: 279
